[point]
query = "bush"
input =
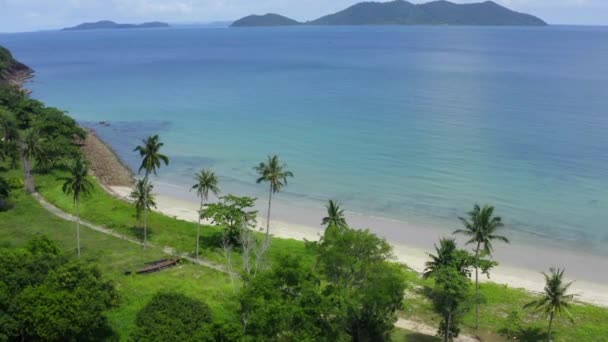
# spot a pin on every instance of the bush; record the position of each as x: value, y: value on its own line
x: 16, y: 183
x: 174, y: 317
x: 44, y: 296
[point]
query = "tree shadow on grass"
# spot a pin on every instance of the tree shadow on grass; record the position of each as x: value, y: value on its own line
x: 211, y: 240
x: 530, y: 334
x: 138, y: 233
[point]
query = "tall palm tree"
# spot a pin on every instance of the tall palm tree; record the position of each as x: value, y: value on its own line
x: 32, y: 145
x: 151, y: 160
x: 335, y: 216
x: 275, y: 174
x: 555, y: 299
x: 151, y: 156
x: 206, y: 182
x: 144, y: 200
x: 77, y: 185
x: 445, y: 255
x: 481, y: 227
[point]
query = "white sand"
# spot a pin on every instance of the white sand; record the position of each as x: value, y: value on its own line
x: 414, y: 257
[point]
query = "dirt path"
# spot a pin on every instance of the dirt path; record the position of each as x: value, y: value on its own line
x: 410, y: 325
x: 424, y: 329
x: 30, y: 187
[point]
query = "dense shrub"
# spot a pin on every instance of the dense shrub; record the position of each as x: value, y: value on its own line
x: 45, y: 296
x: 174, y: 317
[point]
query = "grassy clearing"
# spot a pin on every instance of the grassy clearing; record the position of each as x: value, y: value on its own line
x: 116, y: 214
x: 591, y: 322
x: 27, y: 218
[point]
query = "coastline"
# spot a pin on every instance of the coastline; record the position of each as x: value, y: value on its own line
x: 414, y: 255
x: 104, y: 162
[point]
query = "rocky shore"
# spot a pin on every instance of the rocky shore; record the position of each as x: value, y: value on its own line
x: 104, y: 163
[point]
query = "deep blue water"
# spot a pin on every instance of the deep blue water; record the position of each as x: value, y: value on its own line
x: 408, y: 123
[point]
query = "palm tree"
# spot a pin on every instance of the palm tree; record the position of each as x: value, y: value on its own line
x: 445, y: 255
x: 151, y: 160
x: 275, y: 174
x: 77, y: 185
x: 481, y: 228
x: 335, y: 216
x: 555, y: 299
x: 32, y: 147
x: 144, y: 200
x: 150, y: 152
x: 206, y: 181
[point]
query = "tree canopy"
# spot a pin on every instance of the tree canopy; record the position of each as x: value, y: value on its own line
x: 46, y: 296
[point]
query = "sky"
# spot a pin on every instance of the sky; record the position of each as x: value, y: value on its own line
x: 32, y: 15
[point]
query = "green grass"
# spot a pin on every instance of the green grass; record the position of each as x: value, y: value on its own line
x: 590, y: 321
x: 27, y: 218
x: 118, y: 215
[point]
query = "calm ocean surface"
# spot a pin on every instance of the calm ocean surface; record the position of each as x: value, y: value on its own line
x: 407, y: 123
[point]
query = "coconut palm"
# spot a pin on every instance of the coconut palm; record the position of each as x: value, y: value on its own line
x: 77, y: 185
x: 481, y: 227
x: 275, y: 174
x: 555, y: 299
x: 151, y: 161
x: 144, y: 200
x: 32, y: 145
x: 206, y: 182
x: 335, y: 216
x: 151, y: 156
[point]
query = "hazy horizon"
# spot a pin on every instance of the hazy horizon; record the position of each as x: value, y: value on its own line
x: 37, y: 15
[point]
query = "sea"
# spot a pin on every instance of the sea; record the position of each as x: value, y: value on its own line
x: 409, y: 125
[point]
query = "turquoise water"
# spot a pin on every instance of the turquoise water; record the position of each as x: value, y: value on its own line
x: 407, y: 123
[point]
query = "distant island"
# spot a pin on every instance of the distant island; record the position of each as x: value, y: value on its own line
x: 269, y: 19
x: 110, y: 25
x: 400, y: 12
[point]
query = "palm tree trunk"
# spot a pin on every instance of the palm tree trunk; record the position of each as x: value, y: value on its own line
x: 477, y: 285
x: 446, y: 336
x: 550, y: 326
x: 198, y: 232
x: 268, y: 217
x: 145, y: 223
x: 78, y: 225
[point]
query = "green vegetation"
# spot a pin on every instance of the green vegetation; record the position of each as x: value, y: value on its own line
x: 143, y: 199
x: 77, y: 185
x: 206, y: 182
x: 335, y: 216
x: 275, y: 174
x: 27, y: 219
x: 45, y: 296
x: 345, y: 287
x: 119, y: 215
x: 481, y: 228
x: 555, y: 301
x: 151, y: 161
x: 451, y: 300
x: 173, y: 317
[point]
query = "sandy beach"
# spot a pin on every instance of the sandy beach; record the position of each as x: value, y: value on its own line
x: 414, y: 257
x: 520, y: 265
